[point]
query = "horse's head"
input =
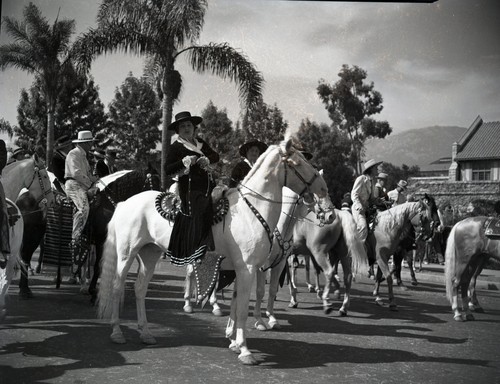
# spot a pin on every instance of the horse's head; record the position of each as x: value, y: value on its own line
x: 428, y: 219
x: 305, y: 180
x: 38, y: 183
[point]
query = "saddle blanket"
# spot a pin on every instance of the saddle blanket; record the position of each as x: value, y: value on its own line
x: 56, y: 250
x: 492, y: 228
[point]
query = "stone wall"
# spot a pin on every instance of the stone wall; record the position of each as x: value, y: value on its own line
x: 461, y: 194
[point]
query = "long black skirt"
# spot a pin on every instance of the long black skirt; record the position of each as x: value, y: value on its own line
x: 192, y: 232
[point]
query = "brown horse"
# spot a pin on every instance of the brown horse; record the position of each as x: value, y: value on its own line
x: 467, y: 250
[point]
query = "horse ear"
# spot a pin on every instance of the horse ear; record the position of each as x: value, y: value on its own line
x: 288, y: 146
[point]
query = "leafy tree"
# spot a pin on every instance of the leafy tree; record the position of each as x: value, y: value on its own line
x: 5, y: 127
x: 135, y: 116
x: 330, y: 148
x: 350, y: 102
x: 41, y: 49
x: 217, y: 130
x: 399, y: 173
x: 164, y: 30
x: 79, y: 108
x: 264, y: 123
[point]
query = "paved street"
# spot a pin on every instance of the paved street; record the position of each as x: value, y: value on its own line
x: 56, y: 338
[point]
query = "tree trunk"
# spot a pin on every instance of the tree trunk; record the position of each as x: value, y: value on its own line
x: 167, y: 107
x: 50, y: 136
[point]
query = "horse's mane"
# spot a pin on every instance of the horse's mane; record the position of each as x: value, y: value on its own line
x: 8, y: 167
x: 395, y: 216
x: 123, y: 184
x: 258, y: 163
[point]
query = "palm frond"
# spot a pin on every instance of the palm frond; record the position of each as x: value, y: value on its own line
x: 227, y: 63
x: 184, y: 20
x: 17, y: 56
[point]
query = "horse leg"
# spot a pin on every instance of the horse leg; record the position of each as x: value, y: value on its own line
x: 384, y: 267
x: 293, y: 283
x: 244, y: 281
x: 409, y: 259
x: 457, y: 315
x: 216, y: 311
x: 465, y: 300
x: 307, y: 264
x: 273, y: 292
x: 396, y: 271
x: 148, y: 259
x: 188, y: 308
x: 473, y: 301
x: 97, y: 272
x: 260, y: 289
x: 346, y: 268
x: 379, y: 277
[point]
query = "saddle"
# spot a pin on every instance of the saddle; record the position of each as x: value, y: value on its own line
x: 12, y: 214
x: 168, y: 205
x: 492, y: 228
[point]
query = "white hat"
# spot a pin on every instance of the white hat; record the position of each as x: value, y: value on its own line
x: 382, y: 176
x: 371, y: 163
x: 84, y: 136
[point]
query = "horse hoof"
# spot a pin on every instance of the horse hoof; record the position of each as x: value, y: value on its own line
x: 311, y: 289
x: 414, y: 282
x: 327, y: 310
x: 274, y: 325
x: 118, y: 339
x: 342, y: 312
x: 393, y: 307
x: 216, y: 312
x: 319, y: 294
x: 469, y: 317
x: 248, y: 360
x: 458, y: 318
x: 336, y: 295
x: 403, y: 287
x: 84, y: 291
x: 233, y: 347
x: 188, y: 309
x: 293, y: 305
x: 260, y: 326
x: 149, y: 340
x: 379, y: 302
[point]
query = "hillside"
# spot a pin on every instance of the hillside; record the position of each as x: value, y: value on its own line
x: 418, y: 146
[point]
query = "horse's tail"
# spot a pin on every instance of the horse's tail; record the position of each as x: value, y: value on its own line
x: 450, y: 263
x: 355, y: 246
x: 108, y: 273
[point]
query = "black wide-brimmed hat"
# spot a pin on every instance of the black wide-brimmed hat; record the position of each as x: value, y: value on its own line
x: 184, y: 116
x: 252, y: 143
x: 62, y: 142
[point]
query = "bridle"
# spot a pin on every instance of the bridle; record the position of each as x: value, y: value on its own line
x: 418, y: 222
x: 41, y: 201
x: 321, y: 213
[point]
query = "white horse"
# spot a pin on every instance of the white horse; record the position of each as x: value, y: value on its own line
x: 27, y: 174
x: 293, y: 207
x: 138, y: 232
x: 7, y: 273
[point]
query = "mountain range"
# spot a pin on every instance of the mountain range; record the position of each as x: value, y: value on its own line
x: 420, y: 146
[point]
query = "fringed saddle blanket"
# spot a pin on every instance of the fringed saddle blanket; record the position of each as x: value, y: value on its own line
x: 206, y: 270
x: 492, y: 228
x: 168, y: 205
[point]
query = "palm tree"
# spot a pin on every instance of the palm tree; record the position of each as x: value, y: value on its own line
x: 164, y: 30
x: 43, y: 50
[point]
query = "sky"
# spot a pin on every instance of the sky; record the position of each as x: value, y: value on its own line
x: 434, y: 64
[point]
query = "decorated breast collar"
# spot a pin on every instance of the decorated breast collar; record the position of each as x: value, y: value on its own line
x: 194, y: 148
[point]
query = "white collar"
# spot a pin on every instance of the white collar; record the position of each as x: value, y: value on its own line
x: 248, y: 162
x: 195, y: 148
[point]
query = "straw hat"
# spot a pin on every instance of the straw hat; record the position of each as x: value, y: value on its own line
x: 402, y: 184
x: 370, y: 163
x: 84, y: 137
x: 382, y: 176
